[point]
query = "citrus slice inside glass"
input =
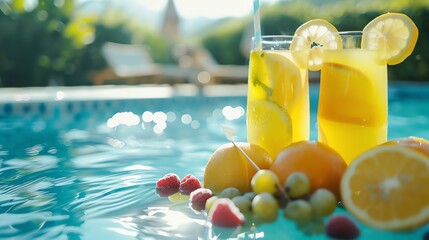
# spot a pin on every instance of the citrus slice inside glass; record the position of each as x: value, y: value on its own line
x: 276, y: 78
x: 387, y: 188
x: 342, y: 91
x: 399, y: 36
x: 285, y: 78
x: 273, y: 126
x: 315, y: 35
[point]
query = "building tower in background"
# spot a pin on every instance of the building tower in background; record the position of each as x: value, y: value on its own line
x: 170, y: 23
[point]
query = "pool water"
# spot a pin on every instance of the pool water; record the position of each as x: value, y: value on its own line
x: 87, y: 169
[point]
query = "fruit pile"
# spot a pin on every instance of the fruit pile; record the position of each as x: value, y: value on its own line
x: 380, y: 197
x: 305, y: 196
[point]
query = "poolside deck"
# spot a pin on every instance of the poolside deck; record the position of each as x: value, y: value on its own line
x: 103, y: 92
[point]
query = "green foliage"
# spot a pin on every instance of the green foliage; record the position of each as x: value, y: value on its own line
x: 224, y: 42
x: 34, y: 48
x: 159, y: 48
x: 50, y: 43
x: 89, y: 58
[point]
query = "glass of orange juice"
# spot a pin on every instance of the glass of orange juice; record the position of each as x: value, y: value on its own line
x: 352, y: 111
x: 278, y: 100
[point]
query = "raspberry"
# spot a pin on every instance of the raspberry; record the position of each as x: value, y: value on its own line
x: 225, y: 214
x: 188, y: 184
x: 341, y: 227
x: 199, y: 197
x: 168, y: 185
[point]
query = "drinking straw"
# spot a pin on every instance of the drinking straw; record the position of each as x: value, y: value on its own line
x: 257, y: 44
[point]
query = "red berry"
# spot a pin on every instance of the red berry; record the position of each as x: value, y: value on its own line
x: 225, y: 214
x: 199, y: 197
x: 188, y: 184
x: 168, y: 185
x: 341, y: 227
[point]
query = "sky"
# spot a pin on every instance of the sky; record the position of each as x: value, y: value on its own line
x: 205, y: 8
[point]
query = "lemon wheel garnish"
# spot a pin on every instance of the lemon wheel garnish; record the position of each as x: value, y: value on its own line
x: 271, y: 126
x: 315, y: 35
x: 398, y: 36
x: 387, y: 188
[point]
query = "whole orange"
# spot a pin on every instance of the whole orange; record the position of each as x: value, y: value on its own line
x: 323, y: 166
x: 416, y: 143
x: 227, y: 167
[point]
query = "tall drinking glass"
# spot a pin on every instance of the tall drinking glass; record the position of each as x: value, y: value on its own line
x: 352, y: 112
x: 277, y: 101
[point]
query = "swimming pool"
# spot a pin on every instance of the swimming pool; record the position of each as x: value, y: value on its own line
x: 82, y: 163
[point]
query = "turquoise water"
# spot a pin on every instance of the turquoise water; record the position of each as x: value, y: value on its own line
x: 87, y: 169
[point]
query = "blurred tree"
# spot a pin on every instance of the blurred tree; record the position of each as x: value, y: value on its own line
x: 49, y: 43
x: 37, y: 44
x: 89, y: 58
x: 224, y: 42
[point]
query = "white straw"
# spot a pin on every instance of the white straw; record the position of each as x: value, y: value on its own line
x: 230, y: 135
x: 257, y: 44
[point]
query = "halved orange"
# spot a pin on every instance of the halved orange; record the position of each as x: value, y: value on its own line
x: 387, y: 187
x: 417, y: 143
x: 398, y: 35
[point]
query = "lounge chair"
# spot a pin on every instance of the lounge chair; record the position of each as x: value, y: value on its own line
x: 128, y: 63
x: 218, y: 73
x: 132, y: 64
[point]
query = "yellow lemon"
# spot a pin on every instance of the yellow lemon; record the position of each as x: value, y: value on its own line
x: 394, y: 33
x: 227, y: 167
x: 271, y: 126
x: 275, y: 77
x: 315, y: 35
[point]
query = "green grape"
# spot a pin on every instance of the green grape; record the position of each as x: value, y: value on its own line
x: 297, y: 185
x: 243, y: 203
x: 298, y: 210
x: 250, y: 195
x: 265, y: 181
x: 230, y: 193
x: 210, y: 202
x: 178, y: 197
x: 323, y: 202
x: 265, y: 207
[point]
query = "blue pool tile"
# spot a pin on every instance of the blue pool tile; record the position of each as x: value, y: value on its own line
x: 8, y: 108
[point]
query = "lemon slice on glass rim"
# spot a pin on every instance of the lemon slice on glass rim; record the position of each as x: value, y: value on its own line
x: 315, y: 35
x: 398, y: 36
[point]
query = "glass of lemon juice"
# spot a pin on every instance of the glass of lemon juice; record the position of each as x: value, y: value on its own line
x: 278, y: 100
x: 352, y: 111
